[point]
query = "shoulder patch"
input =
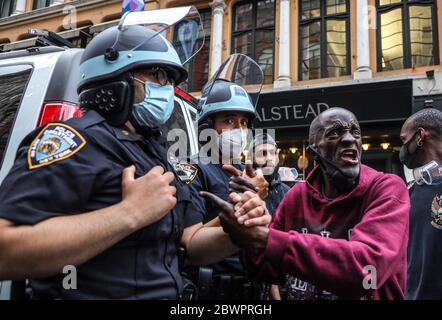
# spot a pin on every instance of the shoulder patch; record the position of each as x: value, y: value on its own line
x: 186, y: 172
x: 54, y: 143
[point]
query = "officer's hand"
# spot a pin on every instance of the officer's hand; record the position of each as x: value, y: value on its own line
x: 151, y: 196
x: 245, y: 237
x: 247, y: 180
x: 250, y: 209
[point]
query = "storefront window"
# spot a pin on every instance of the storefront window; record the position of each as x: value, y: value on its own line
x: 407, y: 34
x: 7, y: 7
x: 324, y: 33
x: 198, y: 67
x: 254, y: 33
x: 42, y: 4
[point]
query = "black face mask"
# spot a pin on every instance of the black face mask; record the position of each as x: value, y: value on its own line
x: 405, y: 157
x: 340, y: 181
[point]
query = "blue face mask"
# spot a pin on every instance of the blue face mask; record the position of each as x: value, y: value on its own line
x: 157, y: 106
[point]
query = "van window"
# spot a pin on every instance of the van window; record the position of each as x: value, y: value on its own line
x: 177, y: 121
x: 193, y: 115
x: 13, y: 80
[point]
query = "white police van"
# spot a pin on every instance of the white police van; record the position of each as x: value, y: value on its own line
x: 38, y: 85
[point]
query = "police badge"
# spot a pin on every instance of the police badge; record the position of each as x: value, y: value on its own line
x: 54, y: 143
x: 186, y: 172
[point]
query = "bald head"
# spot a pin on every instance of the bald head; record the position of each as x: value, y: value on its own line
x: 335, y: 137
x: 318, y: 124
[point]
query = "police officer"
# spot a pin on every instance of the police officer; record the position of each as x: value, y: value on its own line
x: 98, y: 192
x: 230, y: 113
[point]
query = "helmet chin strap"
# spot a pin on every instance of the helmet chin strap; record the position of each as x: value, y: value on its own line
x: 340, y: 181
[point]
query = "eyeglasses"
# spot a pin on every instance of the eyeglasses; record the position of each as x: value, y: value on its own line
x: 161, y: 76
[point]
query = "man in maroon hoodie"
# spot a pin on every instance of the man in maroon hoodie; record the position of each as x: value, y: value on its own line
x: 340, y: 234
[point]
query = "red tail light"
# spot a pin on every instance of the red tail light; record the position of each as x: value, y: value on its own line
x: 186, y: 96
x: 58, y: 111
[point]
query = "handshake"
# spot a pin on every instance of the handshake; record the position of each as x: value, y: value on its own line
x: 244, y: 217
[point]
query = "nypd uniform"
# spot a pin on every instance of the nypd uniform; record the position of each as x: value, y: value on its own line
x: 75, y: 167
x: 224, y: 279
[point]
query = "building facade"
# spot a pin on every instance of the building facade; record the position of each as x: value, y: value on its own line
x: 377, y: 58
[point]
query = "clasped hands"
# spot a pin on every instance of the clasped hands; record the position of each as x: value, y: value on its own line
x: 244, y: 217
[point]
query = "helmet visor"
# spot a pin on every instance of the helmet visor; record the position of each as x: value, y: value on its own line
x: 182, y: 26
x: 240, y: 70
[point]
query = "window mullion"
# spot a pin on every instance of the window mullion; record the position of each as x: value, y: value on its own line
x: 435, y: 32
x: 406, y: 31
x: 300, y: 47
x: 253, y: 36
x: 348, y: 37
x: 323, y: 36
x: 378, y: 39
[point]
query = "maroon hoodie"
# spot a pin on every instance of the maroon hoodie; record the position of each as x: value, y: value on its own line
x: 329, y: 248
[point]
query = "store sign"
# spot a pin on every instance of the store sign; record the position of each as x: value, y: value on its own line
x: 373, y: 102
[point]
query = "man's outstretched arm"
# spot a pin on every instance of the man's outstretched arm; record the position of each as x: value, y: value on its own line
x: 207, y: 245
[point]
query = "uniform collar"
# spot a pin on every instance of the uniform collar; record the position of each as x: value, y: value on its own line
x: 121, y: 133
x: 91, y: 118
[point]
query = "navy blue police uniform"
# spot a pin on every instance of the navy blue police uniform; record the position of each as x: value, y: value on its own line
x: 75, y: 167
x: 225, y: 279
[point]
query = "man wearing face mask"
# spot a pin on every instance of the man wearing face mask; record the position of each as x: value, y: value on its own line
x: 226, y: 117
x: 264, y: 155
x: 98, y: 193
x: 422, y: 152
x: 339, y: 234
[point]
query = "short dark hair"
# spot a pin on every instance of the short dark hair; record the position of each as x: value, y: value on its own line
x: 429, y: 119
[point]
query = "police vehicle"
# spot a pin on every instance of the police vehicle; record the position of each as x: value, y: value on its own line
x: 38, y: 85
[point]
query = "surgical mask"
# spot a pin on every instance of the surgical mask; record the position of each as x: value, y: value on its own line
x: 340, y: 181
x: 157, y: 106
x: 232, y: 143
x: 405, y: 157
x: 428, y: 173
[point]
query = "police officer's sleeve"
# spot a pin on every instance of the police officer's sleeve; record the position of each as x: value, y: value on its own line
x: 196, y: 209
x: 54, y: 175
x: 190, y: 174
